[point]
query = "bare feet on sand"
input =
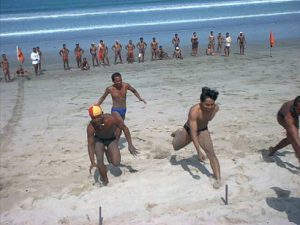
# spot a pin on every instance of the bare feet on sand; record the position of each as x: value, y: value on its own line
x: 271, y: 151
x: 217, y: 184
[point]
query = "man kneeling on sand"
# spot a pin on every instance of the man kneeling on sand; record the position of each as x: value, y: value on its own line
x: 195, y: 130
x: 288, y: 118
x: 101, y: 139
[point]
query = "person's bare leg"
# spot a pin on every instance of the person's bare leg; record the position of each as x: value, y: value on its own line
x: 283, y: 143
x: 181, y: 139
x: 114, y: 153
x: 207, y: 145
x: 99, y: 150
x: 118, y: 131
x: 120, y: 57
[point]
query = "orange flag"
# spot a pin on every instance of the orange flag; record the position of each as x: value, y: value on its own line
x: 272, y: 40
x: 20, y: 55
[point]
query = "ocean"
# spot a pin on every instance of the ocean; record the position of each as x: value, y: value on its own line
x: 49, y: 24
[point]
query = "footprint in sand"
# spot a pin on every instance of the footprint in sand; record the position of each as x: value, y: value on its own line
x: 241, y: 179
x: 149, y: 206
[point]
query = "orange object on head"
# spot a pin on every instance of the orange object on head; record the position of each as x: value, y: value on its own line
x: 95, y: 111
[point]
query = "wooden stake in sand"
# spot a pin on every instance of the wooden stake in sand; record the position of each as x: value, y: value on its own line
x: 226, y: 195
x: 100, y: 216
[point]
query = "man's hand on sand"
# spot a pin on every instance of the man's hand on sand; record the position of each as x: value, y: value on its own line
x: 91, y: 167
x: 133, y: 151
x: 201, y: 157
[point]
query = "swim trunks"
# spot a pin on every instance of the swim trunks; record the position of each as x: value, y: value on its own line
x: 195, y: 45
x: 289, y: 107
x: 121, y: 111
x: 100, y: 55
x: 188, y: 129
x: 105, y: 141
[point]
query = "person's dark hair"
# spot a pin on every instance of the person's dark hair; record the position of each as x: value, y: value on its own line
x: 117, y: 74
x: 297, y: 100
x: 208, y: 93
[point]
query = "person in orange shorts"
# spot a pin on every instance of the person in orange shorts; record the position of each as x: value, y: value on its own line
x: 64, y: 53
x: 78, y: 55
x: 130, y: 51
x: 5, y: 68
x: 103, y: 53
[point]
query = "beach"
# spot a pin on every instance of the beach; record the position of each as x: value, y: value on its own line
x: 44, y: 160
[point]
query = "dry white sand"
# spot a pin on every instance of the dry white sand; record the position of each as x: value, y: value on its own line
x: 44, y: 159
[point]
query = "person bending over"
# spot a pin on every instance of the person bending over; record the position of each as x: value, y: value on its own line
x: 101, y: 139
x: 195, y: 130
x: 288, y: 118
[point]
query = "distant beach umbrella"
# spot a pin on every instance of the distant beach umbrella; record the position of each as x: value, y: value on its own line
x: 20, y: 55
x: 272, y: 40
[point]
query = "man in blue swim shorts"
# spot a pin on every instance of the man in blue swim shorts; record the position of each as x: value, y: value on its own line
x: 118, y: 92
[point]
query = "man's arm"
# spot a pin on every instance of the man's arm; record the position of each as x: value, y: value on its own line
x: 91, y: 149
x: 215, y: 111
x: 135, y: 92
x: 192, y: 120
x: 124, y: 128
x: 102, y: 98
x: 293, y: 134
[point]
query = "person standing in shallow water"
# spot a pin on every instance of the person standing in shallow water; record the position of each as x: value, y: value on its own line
x: 93, y: 51
x: 130, y: 51
x: 64, y: 53
x: 35, y: 58
x: 195, y: 130
x: 176, y: 41
x: 241, y: 42
x: 288, y: 118
x: 117, y: 48
x: 5, y: 67
x: 227, y: 44
x: 211, y: 41
x: 78, y: 55
x: 195, y: 43
x: 220, y: 39
x: 142, y: 48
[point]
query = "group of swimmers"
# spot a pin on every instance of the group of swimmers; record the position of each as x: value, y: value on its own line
x: 99, y: 53
x: 104, y: 129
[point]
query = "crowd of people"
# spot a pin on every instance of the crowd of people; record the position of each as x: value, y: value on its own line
x: 219, y: 45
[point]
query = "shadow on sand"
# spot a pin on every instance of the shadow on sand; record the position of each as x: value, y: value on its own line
x: 192, y: 161
x: 279, y: 162
x: 284, y: 203
x: 114, y: 170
